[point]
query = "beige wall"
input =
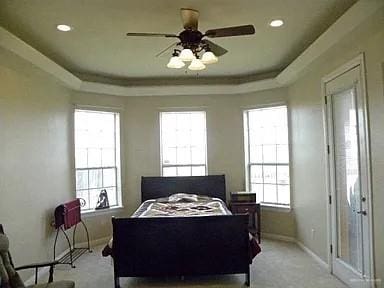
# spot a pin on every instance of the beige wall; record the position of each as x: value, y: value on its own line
x: 35, y: 165
x: 224, y: 138
x: 308, y: 160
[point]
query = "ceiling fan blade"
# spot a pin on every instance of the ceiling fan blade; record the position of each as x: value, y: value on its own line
x: 168, y: 49
x: 152, y: 35
x: 190, y: 18
x: 216, y: 49
x: 231, y: 31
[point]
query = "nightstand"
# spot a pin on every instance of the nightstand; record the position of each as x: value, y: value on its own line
x: 250, y: 208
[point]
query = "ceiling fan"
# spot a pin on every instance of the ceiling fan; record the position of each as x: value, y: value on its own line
x: 192, y: 44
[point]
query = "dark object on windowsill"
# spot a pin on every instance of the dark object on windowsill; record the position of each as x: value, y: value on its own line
x: 103, y: 202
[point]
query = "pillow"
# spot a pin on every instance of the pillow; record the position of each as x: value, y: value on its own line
x: 178, y: 197
x: 183, y: 197
x: 4, y: 280
x: 9, y: 277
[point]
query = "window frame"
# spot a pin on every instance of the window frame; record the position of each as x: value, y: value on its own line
x: 118, y: 156
x: 175, y: 111
x: 247, y: 164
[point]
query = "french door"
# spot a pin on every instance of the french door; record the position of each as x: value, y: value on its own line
x: 349, y: 180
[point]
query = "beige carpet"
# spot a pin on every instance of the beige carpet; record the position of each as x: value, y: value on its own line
x: 280, y: 264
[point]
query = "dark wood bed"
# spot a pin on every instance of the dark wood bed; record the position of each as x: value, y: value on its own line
x: 181, y: 246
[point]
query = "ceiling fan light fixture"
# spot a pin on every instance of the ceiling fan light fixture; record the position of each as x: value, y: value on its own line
x: 186, y: 55
x: 196, y: 65
x: 175, y: 63
x: 209, y: 58
x: 192, y: 45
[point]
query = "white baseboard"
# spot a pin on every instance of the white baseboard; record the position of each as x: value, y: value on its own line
x: 320, y: 261
x: 45, y: 270
x: 278, y: 237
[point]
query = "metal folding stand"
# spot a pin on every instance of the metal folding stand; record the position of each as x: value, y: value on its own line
x: 63, y: 221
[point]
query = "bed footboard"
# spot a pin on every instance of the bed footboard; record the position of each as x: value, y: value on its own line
x: 180, y: 246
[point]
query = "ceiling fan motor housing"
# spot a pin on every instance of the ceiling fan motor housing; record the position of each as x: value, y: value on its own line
x: 190, y: 38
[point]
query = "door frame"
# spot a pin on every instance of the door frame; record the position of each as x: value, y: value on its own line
x: 358, y: 61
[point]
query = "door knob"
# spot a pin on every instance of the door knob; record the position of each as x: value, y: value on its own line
x: 363, y: 212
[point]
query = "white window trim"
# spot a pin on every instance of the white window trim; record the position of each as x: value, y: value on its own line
x: 120, y: 172
x: 245, y: 109
x: 108, y: 211
x: 181, y: 110
x: 276, y: 208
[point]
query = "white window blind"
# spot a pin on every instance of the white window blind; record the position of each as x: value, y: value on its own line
x: 97, y: 156
x: 267, y: 154
x: 183, y: 143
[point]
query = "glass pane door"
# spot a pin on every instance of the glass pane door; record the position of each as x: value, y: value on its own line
x: 347, y: 179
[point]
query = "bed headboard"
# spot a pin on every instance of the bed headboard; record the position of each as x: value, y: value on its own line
x: 156, y: 187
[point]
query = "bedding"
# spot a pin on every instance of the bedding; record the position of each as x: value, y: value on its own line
x: 184, y: 205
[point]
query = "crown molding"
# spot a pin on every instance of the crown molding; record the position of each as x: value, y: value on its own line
x: 167, y: 90
x: 14, y: 44
x: 351, y: 19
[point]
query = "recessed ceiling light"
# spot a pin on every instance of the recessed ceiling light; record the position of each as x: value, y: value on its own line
x: 64, y: 28
x: 276, y: 23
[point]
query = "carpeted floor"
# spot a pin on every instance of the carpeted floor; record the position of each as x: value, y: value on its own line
x: 280, y: 264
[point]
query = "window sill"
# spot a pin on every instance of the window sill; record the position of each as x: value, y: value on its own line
x: 276, y: 208
x: 93, y: 213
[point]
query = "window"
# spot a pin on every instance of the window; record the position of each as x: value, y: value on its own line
x: 267, y: 154
x: 97, y: 157
x: 183, y: 143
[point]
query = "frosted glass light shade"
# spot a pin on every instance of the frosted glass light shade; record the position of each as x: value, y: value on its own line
x: 196, y: 64
x: 209, y: 58
x: 175, y: 63
x: 186, y: 55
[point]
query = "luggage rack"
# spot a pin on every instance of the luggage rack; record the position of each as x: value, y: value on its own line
x: 68, y: 215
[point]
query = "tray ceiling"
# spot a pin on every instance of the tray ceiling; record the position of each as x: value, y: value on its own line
x: 98, y: 48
